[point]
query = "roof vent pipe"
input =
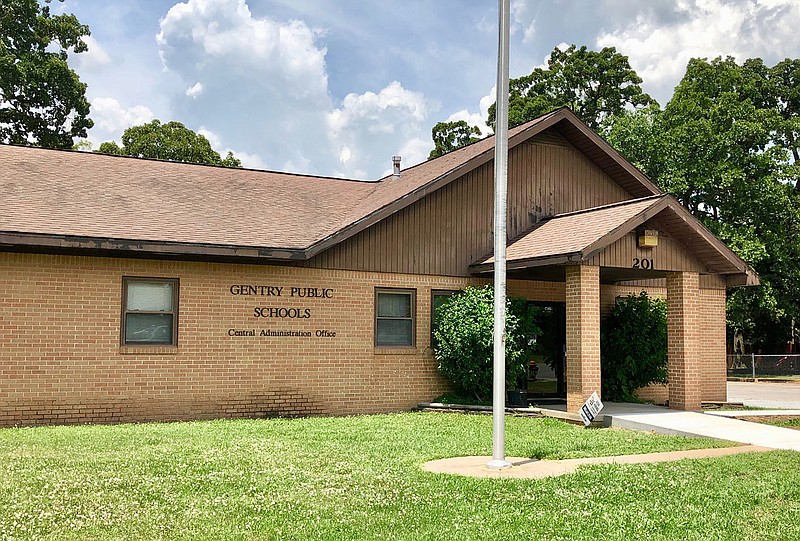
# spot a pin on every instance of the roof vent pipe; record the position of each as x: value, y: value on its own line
x: 396, y: 166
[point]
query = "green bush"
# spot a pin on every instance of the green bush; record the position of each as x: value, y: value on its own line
x: 463, y: 338
x: 633, y: 346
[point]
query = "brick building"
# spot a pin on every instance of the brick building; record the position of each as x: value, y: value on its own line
x: 145, y: 290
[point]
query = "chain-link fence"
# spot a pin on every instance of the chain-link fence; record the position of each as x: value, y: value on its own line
x: 757, y: 366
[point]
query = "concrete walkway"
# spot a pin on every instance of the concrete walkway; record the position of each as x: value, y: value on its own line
x: 665, y: 421
x: 648, y: 418
x: 531, y: 468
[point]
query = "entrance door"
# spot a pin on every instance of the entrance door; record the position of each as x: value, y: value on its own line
x: 546, y: 371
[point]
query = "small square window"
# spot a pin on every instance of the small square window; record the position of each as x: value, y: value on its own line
x: 149, y: 311
x: 394, y: 317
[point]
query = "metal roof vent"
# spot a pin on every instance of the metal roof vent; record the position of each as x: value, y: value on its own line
x: 396, y: 166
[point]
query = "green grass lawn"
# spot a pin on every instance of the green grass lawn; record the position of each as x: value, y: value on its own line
x: 786, y: 423
x: 360, y: 478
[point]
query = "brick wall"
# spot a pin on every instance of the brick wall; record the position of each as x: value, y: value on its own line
x: 711, y: 324
x: 712, y: 345
x: 61, y: 359
x: 685, y: 367
x: 583, y: 334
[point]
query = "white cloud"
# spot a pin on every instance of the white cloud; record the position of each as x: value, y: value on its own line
x: 523, y: 17
x: 202, y: 35
x: 94, y: 58
x: 265, y: 92
x: 659, y: 51
x: 251, y: 161
x: 194, y: 90
x: 369, y: 128
x: 480, y: 118
x: 112, y: 118
x: 265, y: 86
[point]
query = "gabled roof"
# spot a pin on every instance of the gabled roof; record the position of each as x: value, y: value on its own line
x: 92, y: 201
x: 576, y: 237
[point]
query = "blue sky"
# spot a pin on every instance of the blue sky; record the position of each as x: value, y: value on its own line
x: 338, y: 87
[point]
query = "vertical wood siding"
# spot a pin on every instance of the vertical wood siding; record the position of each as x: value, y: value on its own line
x: 446, y: 231
x: 668, y: 255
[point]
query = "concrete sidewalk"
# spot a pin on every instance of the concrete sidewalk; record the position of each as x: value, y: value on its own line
x: 665, y: 421
x: 531, y: 468
x: 643, y: 417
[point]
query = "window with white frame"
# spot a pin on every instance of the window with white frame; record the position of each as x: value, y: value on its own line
x: 149, y: 311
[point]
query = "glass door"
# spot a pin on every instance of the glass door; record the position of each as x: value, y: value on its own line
x: 546, y: 367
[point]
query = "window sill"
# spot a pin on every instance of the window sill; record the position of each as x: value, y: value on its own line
x: 395, y: 350
x: 148, y: 350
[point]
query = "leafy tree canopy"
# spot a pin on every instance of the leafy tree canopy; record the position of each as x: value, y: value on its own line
x: 726, y: 145
x: 171, y: 141
x: 596, y: 85
x: 449, y: 136
x: 42, y: 100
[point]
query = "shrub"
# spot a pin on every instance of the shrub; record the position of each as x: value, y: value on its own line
x: 463, y: 338
x: 633, y: 346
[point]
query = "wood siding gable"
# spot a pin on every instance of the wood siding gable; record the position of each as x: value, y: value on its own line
x: 450, y: 228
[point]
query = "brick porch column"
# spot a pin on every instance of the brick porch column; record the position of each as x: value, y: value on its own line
x: 684, y: 366
x: 583, y: 334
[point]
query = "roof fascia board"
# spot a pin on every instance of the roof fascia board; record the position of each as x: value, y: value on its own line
x: 746, y: 276
x: 611, y: 151
x: 562, y: 259
x: 709, y: 237
x: 668, y: 201
x: 71, y: 242
x: 739, y: 280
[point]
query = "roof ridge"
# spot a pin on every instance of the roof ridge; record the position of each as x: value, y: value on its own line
x: 97, y: 154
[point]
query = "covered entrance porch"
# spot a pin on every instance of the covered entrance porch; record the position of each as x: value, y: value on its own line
x: 651, y: 243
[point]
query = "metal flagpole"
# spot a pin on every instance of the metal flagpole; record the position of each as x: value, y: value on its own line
x: 499, y: 461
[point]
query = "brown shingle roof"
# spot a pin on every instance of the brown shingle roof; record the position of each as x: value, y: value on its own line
x: 578, y: 236
x: 573, y: 232
x: 115, y: 201
x: 92, y: 195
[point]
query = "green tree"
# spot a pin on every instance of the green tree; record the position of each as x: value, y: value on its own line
x: 171, y: 141
x: 633, y: 346
x: 463, y: 338
x: 785, y: 80
x: 449, y: 136
x: 42, y: 100
x: 725, y: 146
x: 596, y: 85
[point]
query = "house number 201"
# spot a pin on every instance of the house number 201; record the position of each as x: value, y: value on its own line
x: 642, y: 263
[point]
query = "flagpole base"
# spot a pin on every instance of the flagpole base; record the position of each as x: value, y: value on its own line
x: 498, y: 464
